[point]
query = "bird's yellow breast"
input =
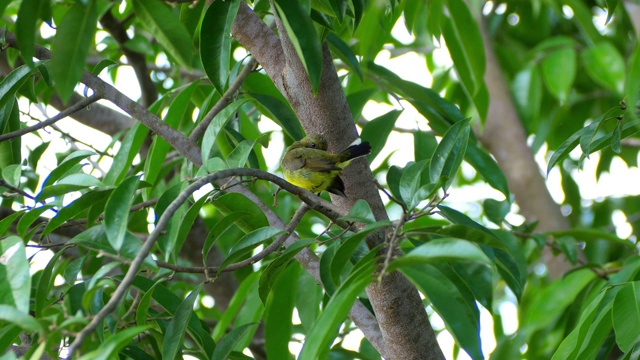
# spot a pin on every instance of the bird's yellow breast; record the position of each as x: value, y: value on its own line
x: 313, y: 181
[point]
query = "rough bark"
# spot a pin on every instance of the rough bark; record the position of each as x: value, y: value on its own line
x: 403, y: 320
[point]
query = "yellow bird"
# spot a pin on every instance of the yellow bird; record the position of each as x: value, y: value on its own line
x: 307, y: 164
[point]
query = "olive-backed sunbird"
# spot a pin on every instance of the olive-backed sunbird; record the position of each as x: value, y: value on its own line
x: 309, y: 165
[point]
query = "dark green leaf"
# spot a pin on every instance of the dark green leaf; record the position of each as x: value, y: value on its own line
x: 11, y: 84
x: 233, y: 338
x: 626, y: 316
x: 217, y: 124
x: 278, y: 313
x: 448, y: 155
x: 441, y: 250
x: 303, y: 36
x: 74, y: 36
x: 174, y: 335
x: 129, y: 148
x: 116, y: 214
x: 345, y: 53
x: 465, y: 45
x: 215, y: 41
x: 453, y: 303
x: 280, y: 112
x: 487, y: 168
x: 26, y: 28
x: 377, y: 131
x: 165, y: 27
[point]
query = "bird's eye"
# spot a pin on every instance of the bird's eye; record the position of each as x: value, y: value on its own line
x: 313, y: 145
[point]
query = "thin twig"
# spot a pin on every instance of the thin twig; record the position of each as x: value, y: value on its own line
x: 61, y: 115
x: 200, y: 129
x: 144, y: 251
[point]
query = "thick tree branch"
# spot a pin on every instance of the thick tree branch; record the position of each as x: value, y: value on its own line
x: 180, y: 142
x: 505, y: 138
x: 399, y: 310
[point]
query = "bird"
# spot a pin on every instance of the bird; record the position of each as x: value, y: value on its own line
x: 308, y: 164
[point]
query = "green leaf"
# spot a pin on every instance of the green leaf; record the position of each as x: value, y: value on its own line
x: 278, y: 312
x: 572, y: 343
x: 10, y: 151
x: 19, y: 318
x: 496, y: 210
x: 174, y: 335
x: 377, y: 131
x: 235, y: 305
x: 26, y: 28
x: 178, y: 109
x: 440, y: 113
x: 325, y: 328
x: 250, y: 241
x: 453, y: 302
x: 215, y: 41
x: 410, y: 183
x: 559, y: 71
x: 70, y: 47
x: 67, y: 164
x: 345, y: 53
x: 465, y: 44
x: 526, y: 90
x: 44, y: 286
x: 568, y: 145
x: 360, y: 212
x: 218, y: 230
x: 549, y: 303
x: 76, y: 207
x: 626, y: 316
x: 442, y: 250
x: 167, y: 241
x: 11, y: 84
x: 116, y: 214
x: 217, y: 124
x: 112, y: 345
x: 616, y: 136
x: 11, y: 174
x: 29, y: 218
x: 486, y: 166
x: 632, y: 83
x: 15, y: 288
x: 158, y: 18
x: 303, y: 36
x: 449, y: 154
x: 129, y: 148
x: 233, y: 338
x: 605, y: 65
x: 611, y: 8
x: 7, y: 221
x: 279, y: 111
x: 234, y: 202
x: 170, y: 302
x: 274, y: 269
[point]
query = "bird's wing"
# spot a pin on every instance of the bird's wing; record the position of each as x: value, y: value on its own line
x: 320, y: 164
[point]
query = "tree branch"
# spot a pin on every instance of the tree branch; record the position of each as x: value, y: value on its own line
x: 505, y: 138
x: 136, y: 60
x: 225, y: 100
x: 61, y: 115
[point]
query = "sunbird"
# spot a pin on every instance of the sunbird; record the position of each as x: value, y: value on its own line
x: 309, y: 165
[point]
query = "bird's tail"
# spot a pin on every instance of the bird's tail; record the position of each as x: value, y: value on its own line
x: 355, y: 150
